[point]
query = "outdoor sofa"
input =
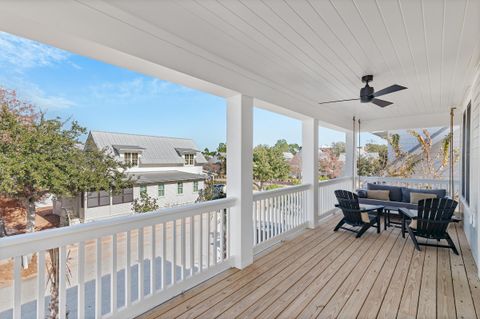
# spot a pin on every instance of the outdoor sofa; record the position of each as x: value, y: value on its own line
x: 398, y: 197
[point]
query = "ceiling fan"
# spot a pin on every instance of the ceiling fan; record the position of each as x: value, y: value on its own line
x: 367, y: 93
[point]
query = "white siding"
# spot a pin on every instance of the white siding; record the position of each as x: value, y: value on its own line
x: 471, y: 220
x: 170, y: 199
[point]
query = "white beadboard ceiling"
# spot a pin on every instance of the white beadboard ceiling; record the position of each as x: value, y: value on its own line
x: 291, y: 53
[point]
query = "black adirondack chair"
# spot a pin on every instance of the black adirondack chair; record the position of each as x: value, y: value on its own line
x: 432, y: 221
x: 356, y: 216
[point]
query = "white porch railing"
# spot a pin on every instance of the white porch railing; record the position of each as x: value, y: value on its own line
x: 407, y: 182
x: 326, y: 196
x: 100, y: 275
x: 278, y: 213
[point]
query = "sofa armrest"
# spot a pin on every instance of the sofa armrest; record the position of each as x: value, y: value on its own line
x: 362, y: 193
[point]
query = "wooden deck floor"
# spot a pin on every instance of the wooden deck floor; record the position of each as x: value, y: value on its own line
x: 324, y: 274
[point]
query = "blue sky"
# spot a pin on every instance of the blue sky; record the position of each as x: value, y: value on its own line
x: 104, y: 97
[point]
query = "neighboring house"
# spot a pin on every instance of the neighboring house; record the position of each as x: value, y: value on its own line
x: 410, y: 144
x: 288, y: 156
x: 166, y: 168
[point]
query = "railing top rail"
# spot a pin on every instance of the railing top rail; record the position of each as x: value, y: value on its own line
x: 335, y: 181
x: 24, y: 244
x: 406, y: 180
x: 280, y: 191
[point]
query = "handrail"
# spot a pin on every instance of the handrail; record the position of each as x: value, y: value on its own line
x: 19, y: 245
x: 334, y: 181
x: 406, y: 180
x: 280, y: 191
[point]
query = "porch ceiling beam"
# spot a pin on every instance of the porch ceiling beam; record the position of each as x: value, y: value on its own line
x: 408, y: 122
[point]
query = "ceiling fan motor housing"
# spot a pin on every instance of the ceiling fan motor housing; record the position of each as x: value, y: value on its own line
x: 366, y: 94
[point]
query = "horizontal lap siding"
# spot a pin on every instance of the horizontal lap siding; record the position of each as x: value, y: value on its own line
x: 471, y: 213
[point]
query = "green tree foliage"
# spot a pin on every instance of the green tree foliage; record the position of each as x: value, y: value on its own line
x: 40, y: 156
x: 284, y: 146
x: 268, y: 165
x: 338, y: 148
x: 144, y: 204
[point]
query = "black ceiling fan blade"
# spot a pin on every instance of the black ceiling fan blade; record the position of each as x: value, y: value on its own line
x: 388, y: 90
x: 337, y: 101
x: 381, y: 103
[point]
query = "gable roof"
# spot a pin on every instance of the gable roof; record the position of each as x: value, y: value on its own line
x: 156, y: 149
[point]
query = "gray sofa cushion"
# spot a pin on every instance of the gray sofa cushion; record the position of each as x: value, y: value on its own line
x: 395, y: 191
x: 441, y: 193
x: 387, y: 204
x: 362, y: 193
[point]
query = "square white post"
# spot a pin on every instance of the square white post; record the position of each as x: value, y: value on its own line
x: 240, y: 177
x: 351, y: 158
x: 310, y: 167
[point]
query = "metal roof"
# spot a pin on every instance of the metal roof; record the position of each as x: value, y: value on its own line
x: 127, y: 147
x: 157, y: 149
x: 165, y: 177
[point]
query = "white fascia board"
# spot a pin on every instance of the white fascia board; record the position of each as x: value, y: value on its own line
x: 408, y: 122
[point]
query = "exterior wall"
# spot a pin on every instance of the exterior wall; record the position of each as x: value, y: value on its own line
x: 471, y: 214
x: 170, y: 199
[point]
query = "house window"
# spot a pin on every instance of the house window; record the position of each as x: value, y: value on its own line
x: 161, y: 190
x: 96, y: 199
x: 179, y: 188
x: 131, y: 159
x: 466, y: 153
x: 189, y: 159
x: 143, y: 189
x: 123, y: 196
x: 195, y: 186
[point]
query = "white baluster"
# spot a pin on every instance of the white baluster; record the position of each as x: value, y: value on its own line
x: 192, y: 244
x: 62, y: 283
x: 81, y: 280
x: 183, y: 242
x: 153, y: 264
x: 128, y: 274
x: 41, y: 285
x: 164, y: 255
x: 17, y: 287
x: 141, y: 270
x: 98, y: 282
x: 113, y: 281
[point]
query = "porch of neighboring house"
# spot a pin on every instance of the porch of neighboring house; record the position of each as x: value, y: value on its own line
x: 325, y: 274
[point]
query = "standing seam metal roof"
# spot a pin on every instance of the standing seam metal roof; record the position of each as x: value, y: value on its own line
x: 157, y: 149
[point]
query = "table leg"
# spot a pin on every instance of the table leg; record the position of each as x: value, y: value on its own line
x: 385, y: 213
x: 403, y: 225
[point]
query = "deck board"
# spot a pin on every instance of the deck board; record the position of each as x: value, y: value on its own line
x: 322, y: 274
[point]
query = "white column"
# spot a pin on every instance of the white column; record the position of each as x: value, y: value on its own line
x: 310, y: 167
x: 240, y: 177
x: 351, y: 158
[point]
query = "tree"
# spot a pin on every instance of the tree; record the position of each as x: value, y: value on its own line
x: 268, y: 165
x: 40, y: 156
x: 221, y: 155
x: 330, y: 166
x: 281, y: 145
x: 284, y: 146
x: 338, y: 148
x: 144, y: 204
x: 433, y: 165
x: 294, y: 148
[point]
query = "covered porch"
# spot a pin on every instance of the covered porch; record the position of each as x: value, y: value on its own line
x: 272, y: 253
x: 322, y: 274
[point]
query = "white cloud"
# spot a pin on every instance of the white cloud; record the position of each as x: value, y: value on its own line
x: 20, y: 53
x: 35, y: 95
x: 136, y: 88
